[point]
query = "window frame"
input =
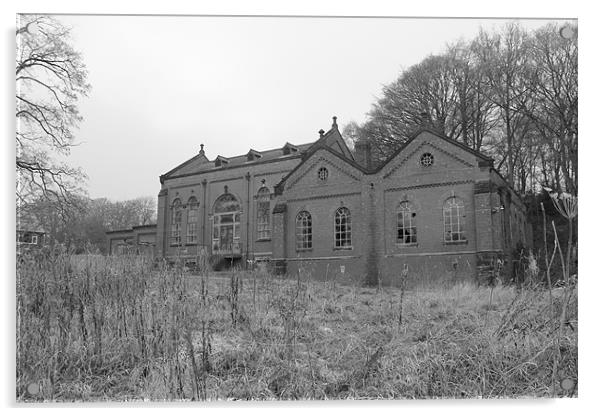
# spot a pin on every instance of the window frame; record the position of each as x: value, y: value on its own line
x: 406, y: 210
x: 342, y: 232
x: 192, y: 220
x: 304, y: 231
x: 430, y: 156
x: 323, y: 174
x: 263, y: 225
x: 454, y: 209
x: 218, y: 213
x: 176, y: 222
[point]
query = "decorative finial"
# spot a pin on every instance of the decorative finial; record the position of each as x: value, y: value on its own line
x: 334, y: 121
x: 321, y: 133
x: 202, y: 151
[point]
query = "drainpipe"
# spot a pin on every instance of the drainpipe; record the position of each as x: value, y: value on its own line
x: 248, y: 178
x: 204, y: 182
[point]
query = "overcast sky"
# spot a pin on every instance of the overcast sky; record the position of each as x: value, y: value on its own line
x: 161, y: 86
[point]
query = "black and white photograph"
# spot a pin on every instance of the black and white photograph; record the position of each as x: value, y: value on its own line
x: 231, y: 207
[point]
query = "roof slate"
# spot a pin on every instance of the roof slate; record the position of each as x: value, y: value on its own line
x: 240, y: 160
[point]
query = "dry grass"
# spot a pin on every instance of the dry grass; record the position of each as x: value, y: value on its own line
x: 115, y: 328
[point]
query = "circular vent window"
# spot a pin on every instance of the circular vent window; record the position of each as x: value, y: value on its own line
x: 427, y: 159
x: 322, y: 174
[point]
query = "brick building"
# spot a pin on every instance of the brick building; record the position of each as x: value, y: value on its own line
x: 435, y: 207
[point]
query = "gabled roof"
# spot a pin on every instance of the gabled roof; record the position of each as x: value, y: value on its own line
x: 333, y: 139
x: 197, y: 164
x: 265, y: 156
x: 289, y: 148
x: 194, y: 162
x: 253, y: 154
x: 322, y: 145
x: 439, y: 135
x: 309, y: 153
x: 221, y: 160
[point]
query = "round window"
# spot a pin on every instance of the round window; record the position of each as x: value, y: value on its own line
x: 322, y: 174
x: 427, y: 159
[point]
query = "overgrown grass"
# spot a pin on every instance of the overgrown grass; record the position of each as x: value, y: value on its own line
x: 115, y: 328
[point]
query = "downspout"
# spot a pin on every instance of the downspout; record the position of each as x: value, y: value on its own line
x: 204, y: 182
x: 248, y: 178
x: 166, y: 224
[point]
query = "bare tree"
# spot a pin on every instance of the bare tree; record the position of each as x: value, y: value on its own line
x: 89, y: 219
x: 50, y: 78
x: 503, y: 59
x: 476, y: 112
x: 510, y: 93
x: 554, y: 71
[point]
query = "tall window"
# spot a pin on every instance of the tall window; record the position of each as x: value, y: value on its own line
x: 406, y: 224
x: 303, y: 231
x: 453, y: 220
x: 342, y: 228
x: 226, y: 225
x: 193, y: 215
x: 176, y: 222
x: 263, y: 213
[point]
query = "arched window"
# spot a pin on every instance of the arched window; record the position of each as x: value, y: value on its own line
x: 193, y: 215
x: 226, y: 225
x: 263, y: 213
x: 406, y: 224
x: 176, y: 222
x: 453, y: 220
x: 342, y: 228
x: 303, y: 231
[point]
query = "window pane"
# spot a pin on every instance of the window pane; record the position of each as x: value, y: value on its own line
x: 303, y: 231
x: 342, y: 228
x: 406, y: 224
x: 453, y: 220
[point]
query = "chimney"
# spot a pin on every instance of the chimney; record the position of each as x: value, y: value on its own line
x: 363, y: 153
x: 427, y: 122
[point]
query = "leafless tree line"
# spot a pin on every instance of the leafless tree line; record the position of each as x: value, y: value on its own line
x: 510, y: 93
x: 88, y: 219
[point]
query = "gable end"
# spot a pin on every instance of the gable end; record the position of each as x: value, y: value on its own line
x: 426, y: 143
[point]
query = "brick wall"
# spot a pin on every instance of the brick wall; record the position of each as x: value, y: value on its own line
x: 373, y: 198
x: 243, y: 182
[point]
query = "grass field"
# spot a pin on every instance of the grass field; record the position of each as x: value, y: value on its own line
x: 115, y: 328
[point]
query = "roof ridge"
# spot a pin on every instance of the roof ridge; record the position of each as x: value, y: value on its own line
x: 264, y: 151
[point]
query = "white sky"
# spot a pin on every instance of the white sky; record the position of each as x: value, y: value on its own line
x: 163, y: 85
